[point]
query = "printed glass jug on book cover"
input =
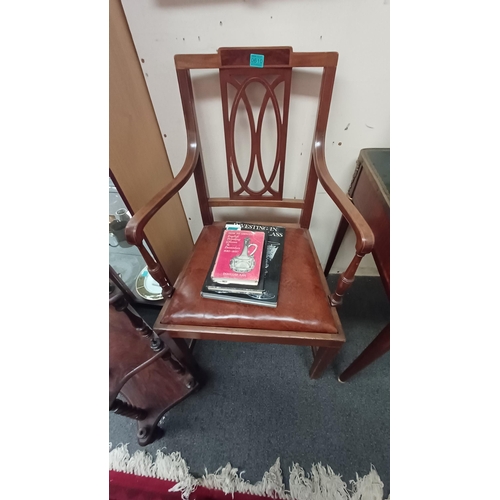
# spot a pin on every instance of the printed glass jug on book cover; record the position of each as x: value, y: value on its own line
x: 239, y: 258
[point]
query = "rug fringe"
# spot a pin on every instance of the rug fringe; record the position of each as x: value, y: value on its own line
x: 321, y: 484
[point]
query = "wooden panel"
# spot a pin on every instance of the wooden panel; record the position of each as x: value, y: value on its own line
x: 247, y: 335
x: 314, y: 59
x: 227, y: 202
x: 240, y: 56
x: 137, y: 154
x: 373, y: 206
x: 198, y: 61
x: 288, y: 58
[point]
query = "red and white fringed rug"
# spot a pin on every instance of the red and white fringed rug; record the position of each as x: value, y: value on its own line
x: 167, y: 477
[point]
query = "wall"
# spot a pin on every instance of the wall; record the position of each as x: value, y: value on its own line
x: 359, y: 117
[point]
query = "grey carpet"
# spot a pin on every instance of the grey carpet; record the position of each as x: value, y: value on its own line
x: 259, y: 403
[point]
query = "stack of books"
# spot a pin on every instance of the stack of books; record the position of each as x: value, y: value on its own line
x: 247, y: 265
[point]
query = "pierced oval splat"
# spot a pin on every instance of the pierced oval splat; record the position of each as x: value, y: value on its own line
x: 243, y: 131
x: 257, y: 181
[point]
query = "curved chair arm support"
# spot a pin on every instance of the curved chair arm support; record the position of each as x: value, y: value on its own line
x: 134, y: 231
x: 365, y: 239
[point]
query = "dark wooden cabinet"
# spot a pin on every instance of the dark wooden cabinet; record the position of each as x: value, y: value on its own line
x: 369, y: 191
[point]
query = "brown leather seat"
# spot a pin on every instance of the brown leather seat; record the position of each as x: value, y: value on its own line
x: 302, y: 301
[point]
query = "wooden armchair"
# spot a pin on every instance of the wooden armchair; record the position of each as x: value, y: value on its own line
x: 306, y: 313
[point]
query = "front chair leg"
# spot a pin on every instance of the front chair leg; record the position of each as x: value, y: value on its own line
x: 322, y: 358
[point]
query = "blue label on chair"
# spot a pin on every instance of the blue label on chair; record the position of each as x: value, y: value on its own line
x: 257, y: 60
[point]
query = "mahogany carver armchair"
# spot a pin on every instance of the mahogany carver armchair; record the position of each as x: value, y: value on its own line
x: 306, y: 312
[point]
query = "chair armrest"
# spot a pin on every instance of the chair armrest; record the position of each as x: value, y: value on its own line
x: 134, y: 231
x: 365, y: 238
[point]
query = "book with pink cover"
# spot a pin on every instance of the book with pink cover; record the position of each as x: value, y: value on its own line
x: 239, y: 257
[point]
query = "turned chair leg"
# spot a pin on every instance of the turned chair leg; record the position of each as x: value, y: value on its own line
x: 323, y: 356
